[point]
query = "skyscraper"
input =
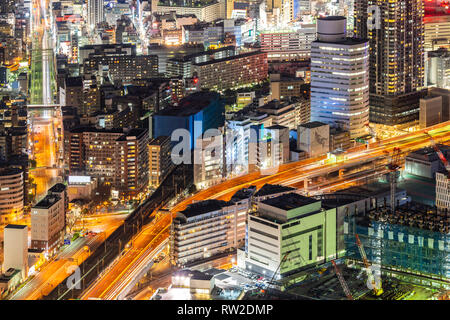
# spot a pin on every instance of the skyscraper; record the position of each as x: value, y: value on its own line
x: 396, y: 39
x: 95, y: 12
x: 339, y: 78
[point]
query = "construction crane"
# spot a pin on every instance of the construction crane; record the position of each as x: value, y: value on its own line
x: 439, y: 153
x: 393, y: 166
x: 276, y: 271
x: 377, y: 291
x: 342, y: 281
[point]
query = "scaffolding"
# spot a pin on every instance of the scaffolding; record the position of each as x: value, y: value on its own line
x: 410, y: 241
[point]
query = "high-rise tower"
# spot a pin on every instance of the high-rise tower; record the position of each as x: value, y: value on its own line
x: 95, y: 12
x: 396, y: 38
x: 339, y: 78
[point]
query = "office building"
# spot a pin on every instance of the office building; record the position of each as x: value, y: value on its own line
x: 445, y: 94
x: 437, y: 68
x: 11, y: 194
x: 443, y: 190
x: 15, y: 248
x: 207, y: 228
x: 395, y: 81
x: 233, y: 72
x: 282, y: 87
x: 159, y: 159
x: 313, y: 138
x: 47, y: 224
x: 290, y: 228
x: 425, y: 162
x: 430, y: 111
x: 292, y: 43
x: 339, y: 78
x: 195, y: 113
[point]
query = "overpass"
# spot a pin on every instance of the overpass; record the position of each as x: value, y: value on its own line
x: 291, y: 174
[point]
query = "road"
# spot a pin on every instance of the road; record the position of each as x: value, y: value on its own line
x: 57, y: 269
x: 142, y: 251
x: 292, y: 174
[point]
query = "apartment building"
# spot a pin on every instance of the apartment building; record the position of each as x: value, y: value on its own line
x: 442, y: 191
x: 207, y: 228
x: 233, y: 72
x: 47, y: 224
x: 117, y: 157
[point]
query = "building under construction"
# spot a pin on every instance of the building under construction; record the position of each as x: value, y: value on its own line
x: 413, y: 242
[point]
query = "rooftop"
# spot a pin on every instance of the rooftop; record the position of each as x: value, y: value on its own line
x: 159, y: 140
x: 9, y: 171
x: 47, y: 202
x: 59, y: 187
x: 313, y: 124
x: 190, y: 105
x: 269, y: 189
x: 16, y: 226
x: 238, y: 56
x: 346, y: 41
x: 203, y: 207
x: 289, y: 201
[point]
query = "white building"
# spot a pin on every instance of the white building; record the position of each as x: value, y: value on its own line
x: 236, y: 143
x: 313, y: 138
x: 442, y: 191
x: 339, y: 78
x: 291, y: 43
x: 16, y: 248
x: 47, y: 224
x: 209, y: 160
x: 207, y: 228
x: 95, y: 12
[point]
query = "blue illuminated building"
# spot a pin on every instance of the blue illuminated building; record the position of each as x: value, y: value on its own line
x: 195, y: 113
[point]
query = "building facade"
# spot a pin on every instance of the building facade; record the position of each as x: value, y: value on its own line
x: 11, y: 194
x: 159, y: 159
x: 339, y: 78
x: 207, y: 228
x: 288, y: 44
x: 47, y: 224
x: 288, y: 234
x: 233, y: 72
x: 442, y: 191
x: 395, y: 81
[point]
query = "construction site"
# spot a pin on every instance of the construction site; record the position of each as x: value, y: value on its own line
x: 394, y: 250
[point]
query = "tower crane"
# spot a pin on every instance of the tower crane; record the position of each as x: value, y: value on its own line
x: 393, y: 166
x: 371, y: 278
x: 342, y: 281
x: 278, y: 268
